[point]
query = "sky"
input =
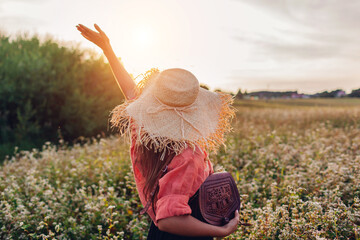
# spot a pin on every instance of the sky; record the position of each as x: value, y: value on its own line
x: 279, y: 45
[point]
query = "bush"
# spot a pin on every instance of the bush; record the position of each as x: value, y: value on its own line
x: 49, y: 91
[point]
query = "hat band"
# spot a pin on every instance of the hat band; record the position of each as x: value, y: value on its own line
x: 178, y: 110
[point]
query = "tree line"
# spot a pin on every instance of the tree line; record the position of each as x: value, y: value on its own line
x: 50, y: 92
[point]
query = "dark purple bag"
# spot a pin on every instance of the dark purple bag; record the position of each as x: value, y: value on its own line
x: 216, y: 200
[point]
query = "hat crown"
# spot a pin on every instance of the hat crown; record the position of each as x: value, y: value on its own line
x: 172, y: 112
x: 176, y: 87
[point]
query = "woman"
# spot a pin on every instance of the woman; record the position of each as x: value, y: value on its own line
x: 172, y: 122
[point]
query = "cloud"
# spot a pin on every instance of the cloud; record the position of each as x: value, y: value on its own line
x: 318, y: 30
x: 12, y: 14
x: 330, y: 14
x: 13, y: 22
x: 282, y: 50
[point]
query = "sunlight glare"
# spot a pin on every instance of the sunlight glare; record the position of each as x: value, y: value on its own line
x: 143, y: 36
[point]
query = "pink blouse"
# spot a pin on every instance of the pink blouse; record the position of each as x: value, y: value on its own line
x: 186, y: 172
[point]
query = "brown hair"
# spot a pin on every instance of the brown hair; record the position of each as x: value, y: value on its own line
x: 151, y: 167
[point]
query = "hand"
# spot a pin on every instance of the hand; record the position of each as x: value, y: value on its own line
x: 231, y: 226
x: 99, y: 38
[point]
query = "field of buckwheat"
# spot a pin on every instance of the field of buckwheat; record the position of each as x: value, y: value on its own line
x: 296, y: 164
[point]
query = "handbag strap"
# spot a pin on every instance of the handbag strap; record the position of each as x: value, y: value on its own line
x: 153, y: 191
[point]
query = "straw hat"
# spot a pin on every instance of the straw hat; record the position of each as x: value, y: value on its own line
x: 173, y: 112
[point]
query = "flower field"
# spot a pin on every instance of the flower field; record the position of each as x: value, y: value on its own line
x: 296, y: 164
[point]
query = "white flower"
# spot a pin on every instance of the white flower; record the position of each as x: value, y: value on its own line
x: 99, y: 228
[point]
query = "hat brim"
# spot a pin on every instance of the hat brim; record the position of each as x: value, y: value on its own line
x: 202, y: 124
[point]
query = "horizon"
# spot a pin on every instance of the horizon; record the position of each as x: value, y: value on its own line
x: 252, y: 45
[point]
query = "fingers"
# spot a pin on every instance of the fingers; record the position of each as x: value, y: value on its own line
x: 236, y: 218
x: 99, y: 38
x: 81, y: 28
x: 233, y: 224
x: 101, y: 32
x: 237, y: 215
x: 78, y: 28
x: 86, y: 37
x: 85, y: 30
x: 98, y: 28
x: 88, y: 33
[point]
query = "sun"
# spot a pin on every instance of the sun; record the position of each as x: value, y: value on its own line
x: 143, y: 36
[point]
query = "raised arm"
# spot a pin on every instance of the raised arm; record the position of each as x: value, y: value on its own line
x: 123, y: 79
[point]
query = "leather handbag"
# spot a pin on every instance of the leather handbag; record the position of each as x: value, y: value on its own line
x: 216, y: 200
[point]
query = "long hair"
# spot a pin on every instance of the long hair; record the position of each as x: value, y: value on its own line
x: 151, y: 167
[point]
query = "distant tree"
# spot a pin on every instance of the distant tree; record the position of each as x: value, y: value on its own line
x: 239, y: 94
x: 332, y: 94
x: 355, y: 93
x: 324, y: 94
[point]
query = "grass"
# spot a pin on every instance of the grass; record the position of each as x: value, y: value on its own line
x: 296, y: 164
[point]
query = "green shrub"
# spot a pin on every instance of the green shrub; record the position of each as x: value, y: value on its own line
x: 48, y: 91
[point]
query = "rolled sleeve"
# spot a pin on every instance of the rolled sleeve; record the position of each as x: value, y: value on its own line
x: 172, y: 205
x: 183, y: 178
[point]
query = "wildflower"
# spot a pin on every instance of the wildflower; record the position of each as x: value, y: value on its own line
x: 99, y: 227
x: 57, y: 228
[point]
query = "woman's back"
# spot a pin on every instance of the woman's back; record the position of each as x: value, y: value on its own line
x: 185, y: 173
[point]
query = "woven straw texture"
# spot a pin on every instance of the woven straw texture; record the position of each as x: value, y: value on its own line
x: 186, y: 115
